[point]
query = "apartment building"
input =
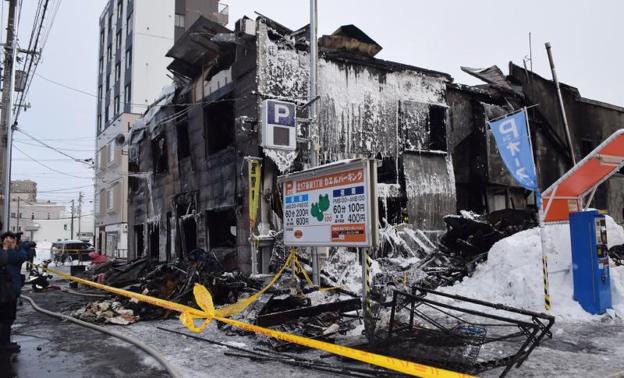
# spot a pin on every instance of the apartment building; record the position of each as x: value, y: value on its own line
x: 134, y: 37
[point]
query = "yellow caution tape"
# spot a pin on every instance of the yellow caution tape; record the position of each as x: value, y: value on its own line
x: 233, y: 309
x: 207, y: 313
x: 204, y: 300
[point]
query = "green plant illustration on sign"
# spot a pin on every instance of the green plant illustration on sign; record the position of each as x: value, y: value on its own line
x: 319, y: 208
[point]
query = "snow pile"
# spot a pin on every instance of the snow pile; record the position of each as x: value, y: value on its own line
x: 513, y: 274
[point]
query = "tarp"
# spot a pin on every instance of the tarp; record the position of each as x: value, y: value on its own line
x: 569, y: 191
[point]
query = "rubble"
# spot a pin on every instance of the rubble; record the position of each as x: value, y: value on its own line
x: 173, y: 281
x: 107, y: 311
x: 617, y: 254
x: 408, y: 256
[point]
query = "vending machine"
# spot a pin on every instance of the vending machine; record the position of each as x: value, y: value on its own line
x: 590, y: 261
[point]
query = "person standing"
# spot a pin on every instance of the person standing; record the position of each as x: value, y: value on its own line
x: 11, y: 260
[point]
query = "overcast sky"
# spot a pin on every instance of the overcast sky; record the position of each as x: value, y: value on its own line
x: 441, y: 35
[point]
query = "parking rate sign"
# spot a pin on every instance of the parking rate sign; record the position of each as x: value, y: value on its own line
x: 331, y: 208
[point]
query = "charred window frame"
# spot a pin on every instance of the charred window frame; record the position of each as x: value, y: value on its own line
x: 139, y: 238
x: 184, y: 143
x: 219, y: 224
x: 159, y: 154
x: 422, y: 126
x: 219, y: 130
x: 437, y: 128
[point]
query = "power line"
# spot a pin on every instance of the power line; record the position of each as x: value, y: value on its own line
x: 64, y: 189
x: 64, y: 148
x: 66, y: 86
x: 76, y: 139
x: 33, y: 56
x: 52, y: 169
x: 54, y: 148
x: 56, y: 160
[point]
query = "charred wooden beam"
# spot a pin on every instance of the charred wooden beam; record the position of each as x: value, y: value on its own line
x: 275, y: 318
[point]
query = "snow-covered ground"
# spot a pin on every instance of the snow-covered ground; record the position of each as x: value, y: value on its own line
x: 512, y: 274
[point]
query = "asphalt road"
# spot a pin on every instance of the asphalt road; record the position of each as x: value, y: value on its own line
x: 54, y: 348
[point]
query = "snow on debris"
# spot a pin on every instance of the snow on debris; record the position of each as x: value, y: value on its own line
x: 512, y: 274
x: 282, y: 159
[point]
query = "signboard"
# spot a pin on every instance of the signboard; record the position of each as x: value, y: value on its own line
x: 279, y: 125
x: 332, y: 205
x: 514, y: 144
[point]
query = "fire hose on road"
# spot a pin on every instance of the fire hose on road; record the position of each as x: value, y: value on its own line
x: 144, y: 347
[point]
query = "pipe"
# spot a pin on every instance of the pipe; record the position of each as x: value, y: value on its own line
x: 144, y: 347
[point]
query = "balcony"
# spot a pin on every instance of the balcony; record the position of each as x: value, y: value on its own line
x: 223, y: 14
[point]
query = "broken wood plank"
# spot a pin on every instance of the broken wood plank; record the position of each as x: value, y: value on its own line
x: 275, y: 318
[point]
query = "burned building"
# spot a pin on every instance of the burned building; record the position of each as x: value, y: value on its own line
x: 188, y: 155
x: 483, y: 183
x: 189, y: 185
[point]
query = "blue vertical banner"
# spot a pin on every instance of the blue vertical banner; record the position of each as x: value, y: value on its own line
x: 514, y: 145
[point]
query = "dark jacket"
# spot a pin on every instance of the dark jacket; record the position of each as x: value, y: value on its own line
x: 14, y: 261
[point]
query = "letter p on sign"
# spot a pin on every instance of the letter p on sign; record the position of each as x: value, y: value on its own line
x: 280, y: 113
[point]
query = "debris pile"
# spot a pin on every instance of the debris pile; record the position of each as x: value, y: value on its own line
x: 617, y: 254
x: 173, y: 281
x: 408, y: 257
x: 107, y: 311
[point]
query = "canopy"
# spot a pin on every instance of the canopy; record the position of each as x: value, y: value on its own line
x: 568, y: 194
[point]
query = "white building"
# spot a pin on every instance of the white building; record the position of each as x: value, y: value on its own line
x: 134, y: 37
x: 60, y: 229
x: 45, y: 221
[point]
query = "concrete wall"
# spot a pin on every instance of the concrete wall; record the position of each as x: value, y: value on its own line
x: 152, y: 38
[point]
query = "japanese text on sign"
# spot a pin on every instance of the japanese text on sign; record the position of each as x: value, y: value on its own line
x: 330, y: 208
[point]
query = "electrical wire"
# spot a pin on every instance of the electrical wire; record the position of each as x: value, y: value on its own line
x: 52, y: 169
x: 76, y: 139
x: 34, y: 55
x: 64, y: 189
x: 64, y: 148
x: 142, y: 105
x: 66, y: 86
x: 54, y: 148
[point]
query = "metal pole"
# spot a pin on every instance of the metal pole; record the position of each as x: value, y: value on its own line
x: 18, y: 213
x: 312, y: 92
x: 71, y: 235
x: 541, y: 217
x: 367, y: 311
x: 79, y: 212
x: 563, y: 113
x: 7, y: 97
x: 314, y: 132
x: 538, y: 200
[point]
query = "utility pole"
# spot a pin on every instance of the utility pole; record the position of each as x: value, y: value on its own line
x: 18, y: 213
x: 563, y: 113
x: 6, y: 123
x: 71, y: 237
x: 314, y: 132
x: 80, y: 197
